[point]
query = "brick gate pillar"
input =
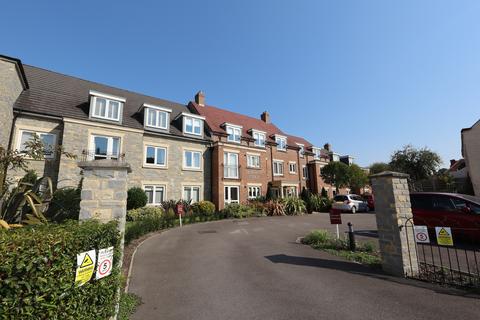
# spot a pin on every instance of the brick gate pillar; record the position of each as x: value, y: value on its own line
x: 393, y: 209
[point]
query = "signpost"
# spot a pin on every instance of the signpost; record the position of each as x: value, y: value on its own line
x: 444, y: 236
x: 336, y: 219
x: 105, y: 263
x: 180, y: 212
x: 421, y: 234
x: 85, y: 267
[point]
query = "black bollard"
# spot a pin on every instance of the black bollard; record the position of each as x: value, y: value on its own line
x: 351, y: 237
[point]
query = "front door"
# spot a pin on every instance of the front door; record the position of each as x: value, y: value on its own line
x: 232, y: 194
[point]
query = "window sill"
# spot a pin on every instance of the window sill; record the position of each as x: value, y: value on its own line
x: 152, y: 166
x: 254, y: 168
x: 193, y: 169
x: 278, y: 175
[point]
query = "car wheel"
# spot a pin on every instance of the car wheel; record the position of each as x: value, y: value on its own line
x: 354, y: 210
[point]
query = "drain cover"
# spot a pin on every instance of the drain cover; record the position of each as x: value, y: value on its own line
x: 207, y: 231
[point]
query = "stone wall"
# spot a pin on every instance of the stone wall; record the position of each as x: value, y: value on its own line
x: 471, y: 153
x: 76, y: 138
x: 393, y: 209
x: 10, y: 88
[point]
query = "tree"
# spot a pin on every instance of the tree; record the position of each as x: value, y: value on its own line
x: 418, y: 163
x: 378, y: 167
x: 336, y: 173
x: 358, y: 178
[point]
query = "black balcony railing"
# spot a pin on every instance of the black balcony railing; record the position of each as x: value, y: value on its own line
x: 88, y: 155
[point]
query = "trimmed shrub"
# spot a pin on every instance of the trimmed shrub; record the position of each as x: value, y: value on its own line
x: 136, y: 229
x: 318, y: 203
x: 136, y: 198
x: 204, y: 208
x: 235, y: 210
x: 294, y: 206
x: 65, y: 205
x: 37, y: 272
x: 145, y: 212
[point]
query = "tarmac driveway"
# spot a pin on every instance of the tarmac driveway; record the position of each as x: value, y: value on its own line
x: 254, y: 269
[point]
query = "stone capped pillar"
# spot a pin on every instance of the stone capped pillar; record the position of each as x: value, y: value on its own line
x: 393, y: 209
x: 104, y: 191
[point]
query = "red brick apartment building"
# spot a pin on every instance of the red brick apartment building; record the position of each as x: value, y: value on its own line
x: 249, y: 155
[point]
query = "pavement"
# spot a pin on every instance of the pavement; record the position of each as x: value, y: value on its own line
x: 255, y: 269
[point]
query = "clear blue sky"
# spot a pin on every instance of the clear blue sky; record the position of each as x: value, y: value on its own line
x: 366, y: 76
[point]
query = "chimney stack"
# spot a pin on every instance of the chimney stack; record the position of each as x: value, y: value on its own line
x: 327, y: 146
x: 452, y: 162
x: 265, y: 117
x: 200, y: 98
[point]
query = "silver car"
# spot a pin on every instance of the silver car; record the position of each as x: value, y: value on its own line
x: 350, y: 202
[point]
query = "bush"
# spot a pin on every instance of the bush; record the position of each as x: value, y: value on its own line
x: 318, y: 203
x: 204, y: 208
x: 235, y: 210
x: 294, y: 206
x: 37, y: 272
x: 145, y: 212
x: 65, y: 205
x: 136, y: 229
x: 136, y: 198
x: 274, y: 208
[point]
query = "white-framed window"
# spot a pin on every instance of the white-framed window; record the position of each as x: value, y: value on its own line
x: 192, y: 125
x: 232, y: 194
x: 292, y: 167
x: 281, y: 143
x: 155, y: 194
x: 277, y: 168
x: 317, y: 153
x: 106, y: 107
x: 191, y: 193
x: 305, y: 172
x: 192, y: 159
x: 253, y: 161
x: 156, y: 156
x: 259, y: 139
x: 156, y: 117
x: 230, y: 165
x: 289, y: 191
x: 254, y: 192
x: 104, y: 147
x: 302, y: 150
x: 49, y: 141
x: 234, y: 134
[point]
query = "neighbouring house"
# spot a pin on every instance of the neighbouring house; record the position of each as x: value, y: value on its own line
x: 164, y: 143
x: 471, y: 154
x: 458, y: 169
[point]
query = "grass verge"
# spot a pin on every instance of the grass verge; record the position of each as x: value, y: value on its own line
x: 128, y: 304
x: 365, y: 251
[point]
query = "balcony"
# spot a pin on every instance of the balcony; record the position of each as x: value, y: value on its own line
x: 89, y: 155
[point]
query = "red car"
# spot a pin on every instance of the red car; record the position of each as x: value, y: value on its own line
x: 457, y: 211
x: 370, y: 201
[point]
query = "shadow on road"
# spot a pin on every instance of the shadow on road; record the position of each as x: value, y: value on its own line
x: 367, y: 233
x: 359, y: 269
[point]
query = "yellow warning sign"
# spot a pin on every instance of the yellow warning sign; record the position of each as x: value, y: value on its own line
x: 444, y: 236
x: 85, y: 267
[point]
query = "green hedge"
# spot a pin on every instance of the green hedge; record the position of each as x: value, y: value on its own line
x: 37, y: 272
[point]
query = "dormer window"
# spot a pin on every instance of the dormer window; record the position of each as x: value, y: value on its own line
x: 302, y: 150
x: 107, y: 107
x: 259, y: 137
x: 234, y: 133
x: 281, y: 142
x: 192, y: 124
x: 157, y: 117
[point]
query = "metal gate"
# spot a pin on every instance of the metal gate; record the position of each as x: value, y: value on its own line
x: 457, y: 264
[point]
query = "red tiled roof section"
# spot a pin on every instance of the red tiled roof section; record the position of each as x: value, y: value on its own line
x: 215, y: 117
